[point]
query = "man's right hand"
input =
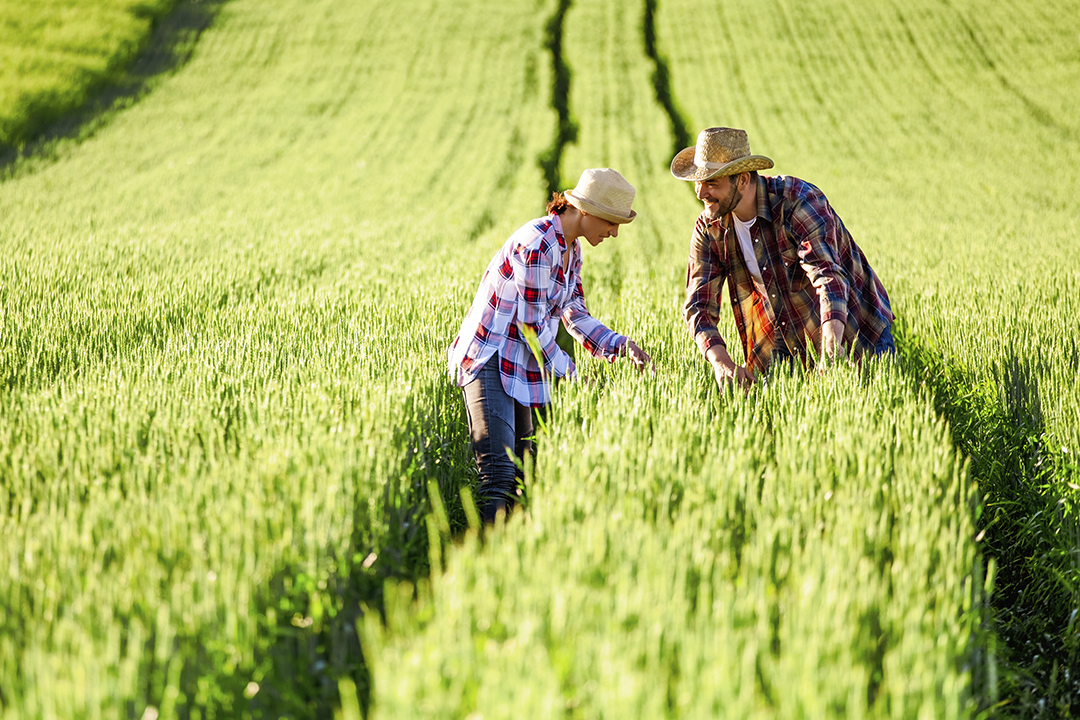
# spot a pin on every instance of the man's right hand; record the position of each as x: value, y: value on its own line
x: 726, y: 371
x: 735, y: 374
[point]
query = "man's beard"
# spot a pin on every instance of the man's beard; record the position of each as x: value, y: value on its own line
x: 723, y: 209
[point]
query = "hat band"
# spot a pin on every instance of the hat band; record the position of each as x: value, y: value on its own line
x: 711, y: 165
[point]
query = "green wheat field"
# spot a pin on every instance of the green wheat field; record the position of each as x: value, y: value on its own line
x: 236, y: 238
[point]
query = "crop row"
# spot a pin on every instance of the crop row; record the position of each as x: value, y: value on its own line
x: 217, y: 376
x: 915, y: 117
x: 62, y: 56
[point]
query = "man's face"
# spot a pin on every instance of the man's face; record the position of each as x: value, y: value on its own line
x: 720, y: 195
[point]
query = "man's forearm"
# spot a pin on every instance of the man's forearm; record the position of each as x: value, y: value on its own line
x: 718, y: 357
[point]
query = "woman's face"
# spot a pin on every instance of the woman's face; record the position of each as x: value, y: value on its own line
x: 595, y: 229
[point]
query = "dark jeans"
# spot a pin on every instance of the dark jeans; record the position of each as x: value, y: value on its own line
x: 884, y: 346
x: 497, y: 423
x: 885, y: 343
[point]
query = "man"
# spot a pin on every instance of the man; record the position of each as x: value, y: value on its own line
x: 794, y: 274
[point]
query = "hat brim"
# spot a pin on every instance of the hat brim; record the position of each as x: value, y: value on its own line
x: 587, y: 207
x: 683, y: 167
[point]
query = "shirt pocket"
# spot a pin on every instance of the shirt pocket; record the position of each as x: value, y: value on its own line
x: 797, y: 279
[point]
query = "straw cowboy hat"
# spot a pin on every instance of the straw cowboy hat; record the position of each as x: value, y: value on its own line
x: 719, y: 151
x: 604, y: 193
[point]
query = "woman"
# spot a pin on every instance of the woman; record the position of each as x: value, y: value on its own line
x: 532, y: 282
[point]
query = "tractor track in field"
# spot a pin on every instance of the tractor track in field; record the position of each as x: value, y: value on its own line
x: 566, y: 129
x: 1037, y: 112
x: 169, y: 48
x: 1032, y: 589
x: 661, y: 77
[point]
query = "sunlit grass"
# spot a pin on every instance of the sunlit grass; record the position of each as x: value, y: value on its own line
x: 224, y: 409
x: 57, y: 53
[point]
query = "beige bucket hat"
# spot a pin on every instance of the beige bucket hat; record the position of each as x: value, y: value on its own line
x: 605, y: 193
x: 719, y: 151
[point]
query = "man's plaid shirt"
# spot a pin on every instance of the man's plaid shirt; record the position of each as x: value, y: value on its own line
x: 524, y: 286
x: 811, y: 268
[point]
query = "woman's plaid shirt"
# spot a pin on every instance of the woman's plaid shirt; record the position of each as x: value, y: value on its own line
x: 812, y: 271
x: 524, y: 287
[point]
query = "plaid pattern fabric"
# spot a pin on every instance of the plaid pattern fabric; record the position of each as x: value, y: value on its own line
x: 812, y: 271
x: 524, y: 287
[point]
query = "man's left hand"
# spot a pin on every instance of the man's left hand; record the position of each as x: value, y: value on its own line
x: 832, y: 339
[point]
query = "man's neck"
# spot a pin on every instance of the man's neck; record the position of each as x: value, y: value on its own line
x: 746, y: 210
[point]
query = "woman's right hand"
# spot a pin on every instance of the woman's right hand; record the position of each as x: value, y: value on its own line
x: 639, y: 357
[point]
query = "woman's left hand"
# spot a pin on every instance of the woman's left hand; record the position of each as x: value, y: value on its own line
x: 639, y: 357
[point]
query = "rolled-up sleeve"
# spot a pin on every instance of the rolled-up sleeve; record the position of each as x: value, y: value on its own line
x: 705, y: 276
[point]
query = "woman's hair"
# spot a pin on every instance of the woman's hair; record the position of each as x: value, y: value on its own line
x: 558, y: 204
